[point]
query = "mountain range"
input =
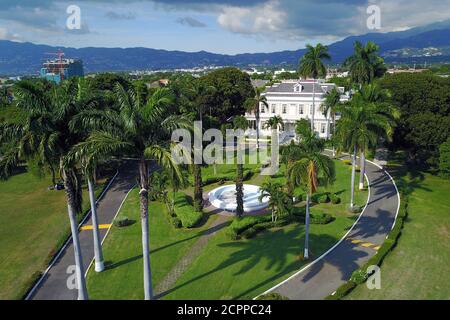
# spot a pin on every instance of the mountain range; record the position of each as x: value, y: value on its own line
x: 429, y: 44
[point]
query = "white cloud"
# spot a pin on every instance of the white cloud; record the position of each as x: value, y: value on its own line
x: 5, y: 34
x: 267, y: 17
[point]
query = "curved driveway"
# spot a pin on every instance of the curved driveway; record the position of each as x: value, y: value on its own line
x: 324, y: 275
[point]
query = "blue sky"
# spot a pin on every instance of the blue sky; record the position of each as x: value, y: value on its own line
x: 223, y: 26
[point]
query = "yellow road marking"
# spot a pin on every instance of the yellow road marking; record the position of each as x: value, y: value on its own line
x: 100, y: 226
x: 364, y: 244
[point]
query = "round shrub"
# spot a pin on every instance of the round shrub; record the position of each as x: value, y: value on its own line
x: 323, y: 198
x: 335, y: 199
x: 359, y: 276
x: 347, y: 162
x: 123, y: 222
x: 323, y: 218
x: 355, y: 209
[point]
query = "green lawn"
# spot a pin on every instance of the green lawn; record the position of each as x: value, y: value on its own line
x: 123, y: 252
x: 224, y: 269
x: 33, y: 224
x: 418, y: 268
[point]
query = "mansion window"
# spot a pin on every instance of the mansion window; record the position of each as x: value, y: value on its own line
x: 322, y: 128
x: 284, y: 108
x: 274, y: 108
x: 263, y: 109
x: 300, y: 109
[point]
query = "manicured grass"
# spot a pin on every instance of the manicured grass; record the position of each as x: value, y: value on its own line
x: 123, y: 253
x: 418, y: 266
x: 243, y: 269
x: 33, y: 224
x: 224, y: 269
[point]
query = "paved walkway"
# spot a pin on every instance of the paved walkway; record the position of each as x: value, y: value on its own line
x: 324, y: 276
x: 53, y: 285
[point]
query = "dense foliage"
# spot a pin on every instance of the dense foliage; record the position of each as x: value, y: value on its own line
x: 424, y: 103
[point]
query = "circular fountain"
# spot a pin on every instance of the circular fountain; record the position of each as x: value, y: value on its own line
x: 225, y: 198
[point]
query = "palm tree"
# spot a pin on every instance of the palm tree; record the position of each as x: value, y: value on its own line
x: 279, y: 201
x: 253, y: 105
x: 312, y: 169
x: 274, y: 123
x: 45, y: 134
x: 359, y: 128
x: 137, y: 128
x: 375, y: 98
x: 365, y: 65
x: 290, y: 154
x: 332, y: 100
x: 311, y: 65
x: 240, y: 123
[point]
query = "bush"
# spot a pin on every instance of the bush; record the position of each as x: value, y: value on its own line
x: 323, y: 198
x: 342, y: 291
x: 123, y: 222
x: 359, y: 276
x: 272, y: 296
x: 347, y: 162
x: 355, y: 209
x: 335, y: 199
x: 185, y: 211
x: 323, y: 218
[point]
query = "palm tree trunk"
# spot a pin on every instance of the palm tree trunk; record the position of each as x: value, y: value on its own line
x: 313, y: 105
x: 257, y: 127
x: 143, y: 197
x: 240, y: 190
x: 306, y: 252
x: 198, y: 190
x: 362, y: 171
x: 274, y: 155
x: 334, y: 133
x: 352, y: 192
x: 98, y: 254
x: 71, y: 208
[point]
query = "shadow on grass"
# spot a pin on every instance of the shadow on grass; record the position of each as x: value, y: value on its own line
x: 276, y: 252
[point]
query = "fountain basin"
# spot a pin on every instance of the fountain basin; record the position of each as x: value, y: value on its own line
x: 225, y: 198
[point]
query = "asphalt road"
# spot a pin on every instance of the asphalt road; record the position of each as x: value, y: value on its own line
x: 53, y: 285
x: 325, y: 275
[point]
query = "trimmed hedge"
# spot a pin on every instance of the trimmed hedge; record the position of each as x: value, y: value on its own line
x: 360, y: 275
x: 185, y: 212
x: 272, y: 296
x: 123, y: 222
x: 335, y: 199
x: 222, y: 178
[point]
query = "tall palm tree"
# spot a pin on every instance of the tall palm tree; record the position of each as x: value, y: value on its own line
x: 376, y: 99
x: 311, y: 65
x: 44, y: 133
x: 197, y: 95
x: 332, y: 100
x: 140, y: 129
x: 365, y: 64
x: 240, y: 123
x: 360, y: 126
x: 274, y: 123
x: 312, y: 169
x: 279, y: 201
x: 253, y: 105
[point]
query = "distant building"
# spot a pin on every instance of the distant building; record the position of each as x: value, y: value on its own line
x: 292, y: 101
x: 61, y: 68
x: 257, y: 83
x: 411, y: 70
x: 331, y: 73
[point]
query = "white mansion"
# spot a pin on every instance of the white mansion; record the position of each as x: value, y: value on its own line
x: 292, y: 100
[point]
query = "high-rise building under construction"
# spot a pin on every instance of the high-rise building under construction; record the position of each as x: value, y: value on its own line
x: 61, y: 68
